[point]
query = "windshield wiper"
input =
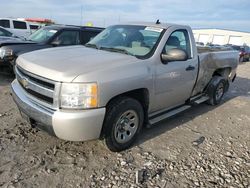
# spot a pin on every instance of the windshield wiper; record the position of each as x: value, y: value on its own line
x: 115, y: 50
x: 91, y: 45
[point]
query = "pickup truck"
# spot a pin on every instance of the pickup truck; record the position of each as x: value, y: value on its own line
x: 19, y: 27
x: 128, y: 77
x: 46, y: 37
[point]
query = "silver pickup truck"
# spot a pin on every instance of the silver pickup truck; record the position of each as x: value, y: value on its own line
x: 127, y: 77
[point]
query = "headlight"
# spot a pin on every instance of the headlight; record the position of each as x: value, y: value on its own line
x: 2, y: 53
x: 5, y: 53
x: 78, y: 96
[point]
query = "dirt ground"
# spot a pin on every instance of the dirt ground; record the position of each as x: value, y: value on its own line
x: 204, y: 147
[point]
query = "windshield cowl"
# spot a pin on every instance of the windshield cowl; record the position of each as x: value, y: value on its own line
x: 110, y: 49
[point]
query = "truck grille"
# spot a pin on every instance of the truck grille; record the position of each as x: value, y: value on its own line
x: 38, y: 88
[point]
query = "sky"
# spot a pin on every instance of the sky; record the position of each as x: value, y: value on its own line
x: 223, y: 14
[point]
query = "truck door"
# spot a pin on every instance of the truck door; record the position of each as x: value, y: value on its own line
x: 174, y: 81
x: 21, y: 28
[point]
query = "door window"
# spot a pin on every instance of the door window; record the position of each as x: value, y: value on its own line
x: 5, y: 23
x: 19, y: 25
x: 178, y: 39
x: 68, y: 38
x: 35, y: 27
x: 87, y: 36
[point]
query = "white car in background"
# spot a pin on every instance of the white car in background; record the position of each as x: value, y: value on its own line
x: 18, y: 27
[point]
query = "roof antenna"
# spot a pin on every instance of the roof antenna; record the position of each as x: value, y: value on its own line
x: 158, y: 22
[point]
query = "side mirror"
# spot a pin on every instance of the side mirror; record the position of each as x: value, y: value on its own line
x: 55, y: 43
x: 174, y: 55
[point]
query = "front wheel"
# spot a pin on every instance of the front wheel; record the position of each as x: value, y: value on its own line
x: 123, y: 122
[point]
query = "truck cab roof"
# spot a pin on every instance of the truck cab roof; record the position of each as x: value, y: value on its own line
x: 154, y: 24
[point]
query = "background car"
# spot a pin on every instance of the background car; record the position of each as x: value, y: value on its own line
x: 18, y: 27
x: 244, y: 52
x: 46, y: 37
x: 200, y: 44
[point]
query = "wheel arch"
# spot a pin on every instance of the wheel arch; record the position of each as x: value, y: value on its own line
x: 224, y: 72
x: 141, y: 95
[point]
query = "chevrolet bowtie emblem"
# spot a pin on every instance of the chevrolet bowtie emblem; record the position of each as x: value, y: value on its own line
x: 24, y: 82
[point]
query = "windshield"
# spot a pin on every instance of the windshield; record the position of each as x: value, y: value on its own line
x: 42, y: 35
x: 130, y: 39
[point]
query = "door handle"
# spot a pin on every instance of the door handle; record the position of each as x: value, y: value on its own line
x: 190, y: 68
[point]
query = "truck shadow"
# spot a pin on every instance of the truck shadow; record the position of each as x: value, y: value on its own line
x: 241, y: 87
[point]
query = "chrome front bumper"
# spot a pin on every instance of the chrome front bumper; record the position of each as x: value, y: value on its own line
x: 78, y: 125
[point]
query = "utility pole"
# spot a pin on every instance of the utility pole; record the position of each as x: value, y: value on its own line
x: 104, y: 22
x: 119, y: 18
x: 81, y: 15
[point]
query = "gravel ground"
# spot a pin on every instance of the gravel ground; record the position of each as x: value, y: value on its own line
x: 203, y: 147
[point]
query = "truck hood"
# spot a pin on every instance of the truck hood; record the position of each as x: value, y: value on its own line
x: 9, y: 39
x: 19, y: 49
x: 64, y: 64
x: 13, y: 41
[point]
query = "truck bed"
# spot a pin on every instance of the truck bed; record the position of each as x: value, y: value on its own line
x: 211, y: 60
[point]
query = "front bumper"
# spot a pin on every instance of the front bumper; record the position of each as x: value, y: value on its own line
x: 78, y: 125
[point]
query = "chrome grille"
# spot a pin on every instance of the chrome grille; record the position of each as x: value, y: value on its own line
x: 38, y: 88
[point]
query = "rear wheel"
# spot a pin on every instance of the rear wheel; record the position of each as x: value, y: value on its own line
x: 123, y: 122
x: 216, y: 90
x: 241, y: 59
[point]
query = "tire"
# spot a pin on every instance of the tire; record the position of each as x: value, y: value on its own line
x: 216, y: 90
x: 241, y: 60
x: 123, y: 123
